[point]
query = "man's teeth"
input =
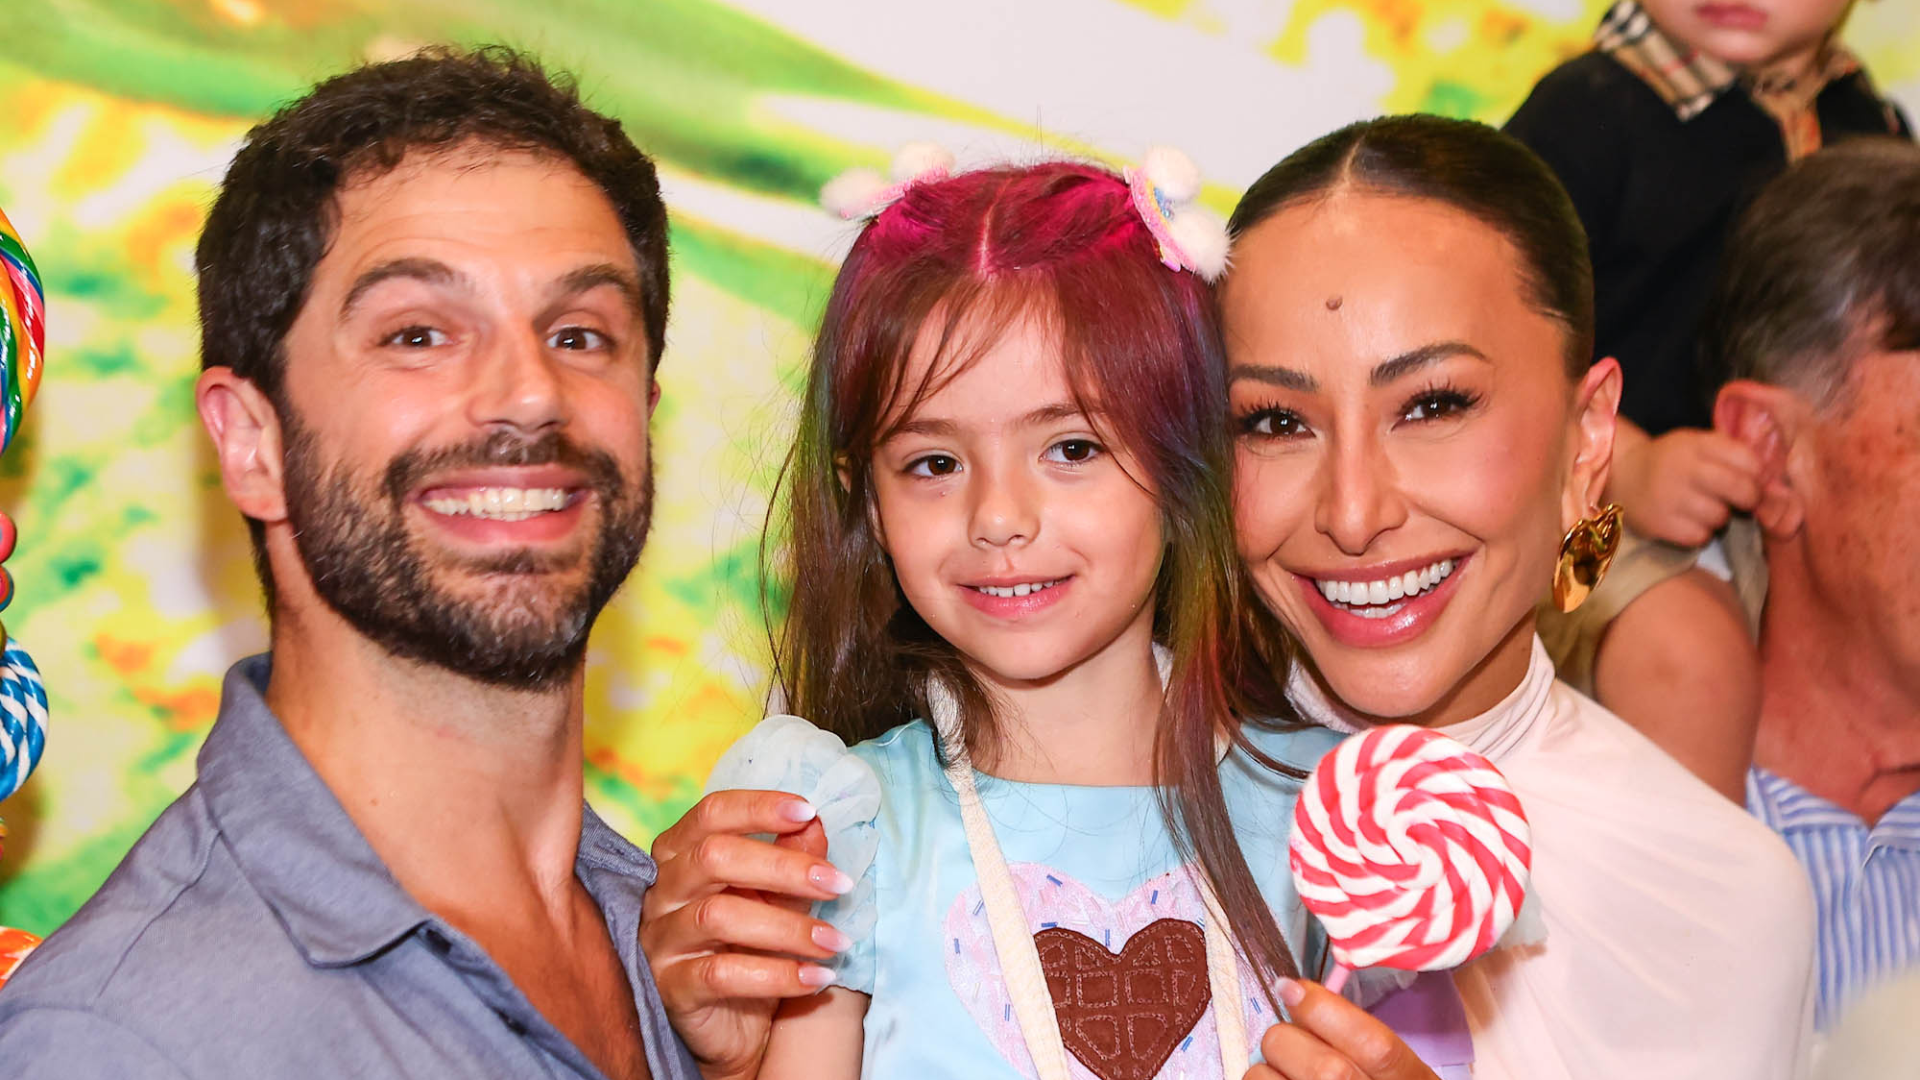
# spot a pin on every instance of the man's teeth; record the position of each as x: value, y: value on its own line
x: 502, y: 504
x: 1025, y: 588
x: 1387, y: 590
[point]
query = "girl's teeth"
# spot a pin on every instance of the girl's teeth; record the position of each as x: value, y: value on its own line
x: 1369, y: 597
x: 1025, y: 588
x: 502, y: 504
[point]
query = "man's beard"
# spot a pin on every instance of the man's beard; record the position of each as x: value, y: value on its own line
x: 352, y: 535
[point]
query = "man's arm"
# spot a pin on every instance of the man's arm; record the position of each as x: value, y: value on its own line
x: 54, y: 1043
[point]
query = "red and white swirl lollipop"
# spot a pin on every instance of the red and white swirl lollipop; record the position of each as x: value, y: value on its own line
x: 1411, y: 849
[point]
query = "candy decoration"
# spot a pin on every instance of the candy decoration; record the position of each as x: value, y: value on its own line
x: 23, y: 331
x: 23, y: 697
x: 1411, y: 849
x: 14, y: 947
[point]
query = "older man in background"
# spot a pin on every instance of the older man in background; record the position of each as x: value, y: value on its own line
x: 1817, y: 326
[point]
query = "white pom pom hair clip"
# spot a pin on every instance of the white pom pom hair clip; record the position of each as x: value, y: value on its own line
x: 1190, y: 237
x: 863, y: 193
x: 1163, y: 189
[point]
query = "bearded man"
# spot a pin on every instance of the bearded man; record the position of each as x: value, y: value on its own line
x: 432, y: 294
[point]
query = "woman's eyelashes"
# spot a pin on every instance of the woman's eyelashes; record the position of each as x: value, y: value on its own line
x: 1277, y: 422
x: 1438, y: 403
x: 1270, y: 422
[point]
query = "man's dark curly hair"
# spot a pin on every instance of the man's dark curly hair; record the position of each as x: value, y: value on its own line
x: 276, y: 212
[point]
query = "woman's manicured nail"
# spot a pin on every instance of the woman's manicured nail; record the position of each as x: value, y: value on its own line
x: 815, y: 976
x: 798, y: 811
x: 1291, y: 993
x: 830, y: 879
x: 831, y: 939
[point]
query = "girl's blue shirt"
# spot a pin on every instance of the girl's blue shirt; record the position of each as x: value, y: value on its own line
x: 1098, y: 861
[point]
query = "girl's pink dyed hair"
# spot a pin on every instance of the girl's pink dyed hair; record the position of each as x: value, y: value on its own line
x: 957, y: 261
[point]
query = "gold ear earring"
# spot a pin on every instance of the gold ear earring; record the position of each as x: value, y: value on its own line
x: 1585, y: 555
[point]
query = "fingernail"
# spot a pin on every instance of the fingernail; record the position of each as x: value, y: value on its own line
x: 1291, y: 993
x: 815, y: 976
x: 798, y: 811
x: 830, y: 879
x: 831, y: 939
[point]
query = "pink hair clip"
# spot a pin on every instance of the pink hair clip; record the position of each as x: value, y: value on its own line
x: 863, y: 193
x: 1190, y: 237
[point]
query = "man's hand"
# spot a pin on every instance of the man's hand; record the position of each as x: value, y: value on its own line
x: 1681, y: 486
x: 726, y: 929
x: 1331, y: 1038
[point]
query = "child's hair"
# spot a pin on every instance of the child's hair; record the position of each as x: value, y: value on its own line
x: 955, y: 261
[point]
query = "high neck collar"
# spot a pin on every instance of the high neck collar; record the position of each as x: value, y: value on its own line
x: 1493, y: 734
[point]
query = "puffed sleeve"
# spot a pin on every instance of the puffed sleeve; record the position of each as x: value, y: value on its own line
x: 786, y: 753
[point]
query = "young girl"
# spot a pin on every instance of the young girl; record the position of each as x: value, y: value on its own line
x: 1013, y: 576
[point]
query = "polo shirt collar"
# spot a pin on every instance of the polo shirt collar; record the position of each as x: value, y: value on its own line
x: 1686, y: 79
x: 290, y: 836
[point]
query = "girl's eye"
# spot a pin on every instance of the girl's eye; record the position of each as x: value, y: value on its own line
x: 1273, y: 424
x: 416, y: 337
x: 1436, y: 404
x: 578, y: 339
x: 934, y: 465
x: 1073, y: 451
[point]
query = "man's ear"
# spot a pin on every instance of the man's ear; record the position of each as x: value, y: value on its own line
x: 246, y: 435
x: 653, y: 396
x: 1766, y: 419
x: 1596, y: 404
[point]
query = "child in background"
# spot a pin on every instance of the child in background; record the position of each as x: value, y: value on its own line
x: 1014, y: 591
x: 1662, y: 134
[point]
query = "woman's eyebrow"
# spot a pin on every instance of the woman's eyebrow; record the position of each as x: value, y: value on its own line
x: 1284, y: 378
x: 1390, y: 371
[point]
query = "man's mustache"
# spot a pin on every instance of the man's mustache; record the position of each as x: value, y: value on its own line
x: 409, y: 470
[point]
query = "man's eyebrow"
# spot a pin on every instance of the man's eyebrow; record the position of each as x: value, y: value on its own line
x: 1284, y: 378
x: 588, y: 278
x: 428, y: 271
x: 1388, y: 371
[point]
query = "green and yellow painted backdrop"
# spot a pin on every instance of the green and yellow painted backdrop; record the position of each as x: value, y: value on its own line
x: 116, y: 121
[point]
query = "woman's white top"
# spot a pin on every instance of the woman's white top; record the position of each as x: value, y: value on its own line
x: 1679, y: 930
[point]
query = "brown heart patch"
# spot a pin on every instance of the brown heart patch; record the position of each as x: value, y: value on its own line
x: 1124, y: 1014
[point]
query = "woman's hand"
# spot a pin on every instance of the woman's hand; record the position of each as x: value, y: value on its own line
x: 725, y: 927
x: 1331, y: 1038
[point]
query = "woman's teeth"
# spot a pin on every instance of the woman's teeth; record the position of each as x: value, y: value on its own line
x: 1025, y: 588
x: 501, y: 504
x: 1365, y: 598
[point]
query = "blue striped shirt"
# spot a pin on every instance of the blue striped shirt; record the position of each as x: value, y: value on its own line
x: 1866, y: 884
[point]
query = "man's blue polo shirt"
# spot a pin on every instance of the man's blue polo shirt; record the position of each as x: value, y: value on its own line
x: 253, y: 933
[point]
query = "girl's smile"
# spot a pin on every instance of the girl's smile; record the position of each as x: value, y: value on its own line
x: 1016, y: 531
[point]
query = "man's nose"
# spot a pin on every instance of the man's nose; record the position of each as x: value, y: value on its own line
x: 518, y: 384
x: 1359, y: 496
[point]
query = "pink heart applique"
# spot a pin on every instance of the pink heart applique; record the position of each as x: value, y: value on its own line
x: 1051, y: 899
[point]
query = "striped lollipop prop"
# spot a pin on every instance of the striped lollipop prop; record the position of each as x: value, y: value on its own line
x: 23, y: 699
x: 23, y: 339
x: 23, y: 333
x: 1411, y: 849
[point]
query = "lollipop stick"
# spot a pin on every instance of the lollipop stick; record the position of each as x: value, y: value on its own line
x: 1338, y: 978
